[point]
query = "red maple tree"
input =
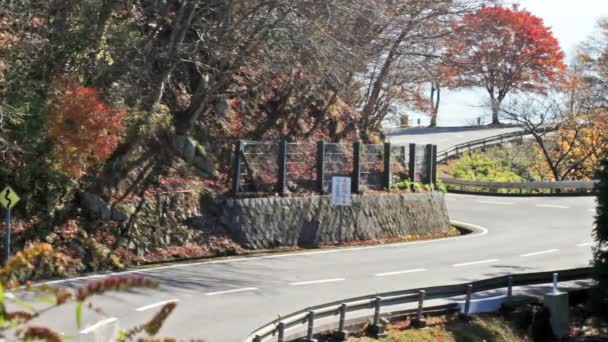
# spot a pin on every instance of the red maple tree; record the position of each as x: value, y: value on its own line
x: 502, y: 50
x: 83, y: 129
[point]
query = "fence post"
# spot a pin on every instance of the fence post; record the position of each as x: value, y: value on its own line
x: 434, y: 162
x: 311, y: 326
x: 281, y: 330
x: 236, y: 171
x: 388, y: 172
x: 342, y: 334
x: 320, y: 165
x: 282, y: 167
x: 412, y: 163
x: 419, y: 322
x: 356, y: 166
x: 428, y: 164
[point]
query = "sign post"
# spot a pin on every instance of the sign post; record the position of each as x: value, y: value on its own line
x: 341, y: 197
x: 8, y: 199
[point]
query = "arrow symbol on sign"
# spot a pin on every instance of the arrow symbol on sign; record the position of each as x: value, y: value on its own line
x: 6, y: 195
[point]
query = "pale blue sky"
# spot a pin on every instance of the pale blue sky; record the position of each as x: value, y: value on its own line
x: 571, y: 22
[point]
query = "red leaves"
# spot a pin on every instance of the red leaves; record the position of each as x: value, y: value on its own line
x: 115, y: 283
x: 504, y: 48
x: 84, y: 130
x: 41, y: 334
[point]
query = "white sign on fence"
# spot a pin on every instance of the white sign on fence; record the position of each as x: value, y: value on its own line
x: 341, y: 191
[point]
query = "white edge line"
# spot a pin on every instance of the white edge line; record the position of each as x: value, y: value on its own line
x: 317, y: 282
x: 475, y: 262
x: 155, y: 305
x: 400, y: 272
x: 539, y: 253
x: 231, y: 291
x: 552, y: 206
x: 586, y: 244
x: 481, y: 231
x: 97, y: 325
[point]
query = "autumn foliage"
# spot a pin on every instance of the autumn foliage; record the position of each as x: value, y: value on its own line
x: 502, y: 50
x: 84, y: 130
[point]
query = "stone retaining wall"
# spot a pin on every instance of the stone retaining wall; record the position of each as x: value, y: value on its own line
x: 309, y: 221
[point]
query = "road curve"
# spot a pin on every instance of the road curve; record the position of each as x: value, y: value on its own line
x: 225, y: 300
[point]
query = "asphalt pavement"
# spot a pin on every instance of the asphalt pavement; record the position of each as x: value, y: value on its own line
x: 224, y: 300
x: 444, y: 137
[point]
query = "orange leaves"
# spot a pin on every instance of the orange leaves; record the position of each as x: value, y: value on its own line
x: 84, y: 130
x: 505, y: 48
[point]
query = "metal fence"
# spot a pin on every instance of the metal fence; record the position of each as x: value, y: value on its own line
x: 338, y: 311
x: 303, y: 167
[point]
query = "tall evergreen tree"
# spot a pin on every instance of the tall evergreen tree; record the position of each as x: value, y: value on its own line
x: 600, y: 253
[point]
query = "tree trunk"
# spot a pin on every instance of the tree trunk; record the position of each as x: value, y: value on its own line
x: 495, y: 111
x: 435, y: 100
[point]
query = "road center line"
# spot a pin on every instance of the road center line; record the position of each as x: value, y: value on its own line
x: 539, y: 253
x: 231, y: 291
x: 155, y: 305
x: 475, y: 262
x: 552, y: 206
x: 586, y: 244
x: 317, y: 282
x: 496, y: 202
x: 97, y: 325
x: 400, y: 272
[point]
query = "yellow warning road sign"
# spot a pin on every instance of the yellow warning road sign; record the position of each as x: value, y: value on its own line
x: 8, y: 197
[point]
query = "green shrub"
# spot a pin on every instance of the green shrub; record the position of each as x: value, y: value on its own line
x: 483, y: 167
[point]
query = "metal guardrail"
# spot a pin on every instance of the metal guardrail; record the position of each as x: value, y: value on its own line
x: 276, y: 330
x: 562, y: 185
x: 457, y: 150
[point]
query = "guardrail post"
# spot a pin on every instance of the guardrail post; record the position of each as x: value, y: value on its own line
x: 236, y: 171
x: 412, y: 163
x: 342, y: 334
x: 457, y: 152
x: 257, y: 339
x: 420, y: 322
x: 377, y: 329
x: 281, y: 332
x: 467, y: 303
x: 509, y: 287
x: 311, y: 327
x: 320, y: 165
x: 356, y: 166
x: 388, y: 172
x: 282, y: 167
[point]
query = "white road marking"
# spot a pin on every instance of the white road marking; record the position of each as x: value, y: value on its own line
x: 155, y: 305
x: 400, y: 272
x: 231, y: 291
x: 552, y: 206
x: 496, y: 202
x: 540, y: 253
x: 483, y: 231
x: 317, y: 282
x: 586, y: 244
x: 475, y: 262
x: 97, y: 325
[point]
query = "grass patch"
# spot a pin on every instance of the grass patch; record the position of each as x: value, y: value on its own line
x: 481, y: 328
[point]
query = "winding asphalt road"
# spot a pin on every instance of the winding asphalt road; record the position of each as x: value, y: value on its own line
x: 224, y: 300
